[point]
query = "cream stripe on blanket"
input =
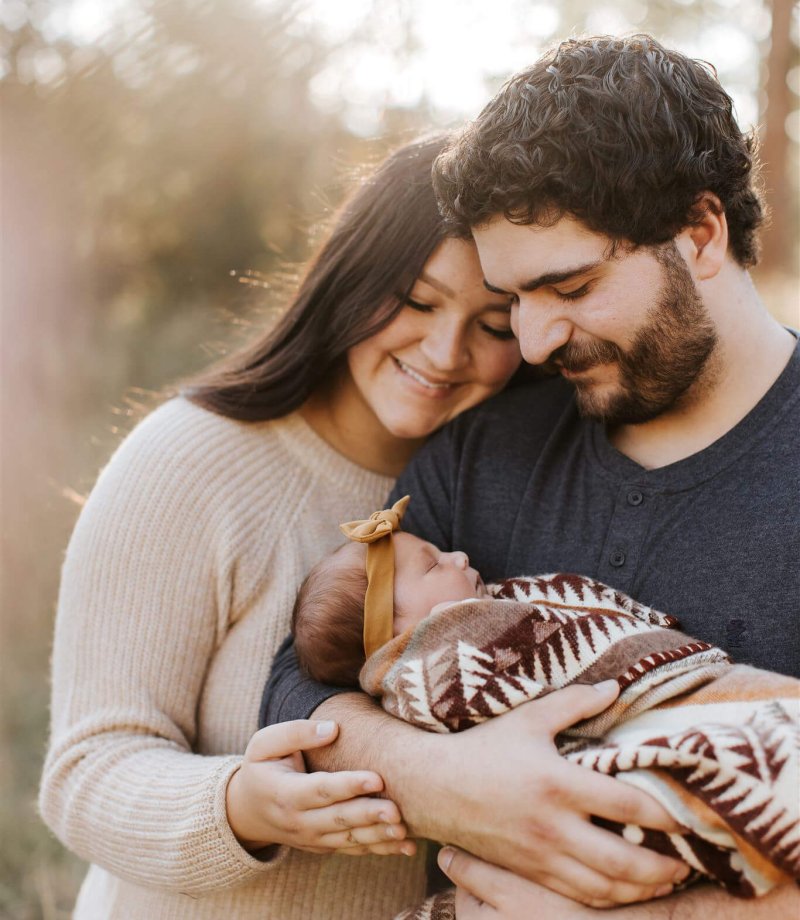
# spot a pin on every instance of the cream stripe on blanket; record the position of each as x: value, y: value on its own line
x: 716, y: 743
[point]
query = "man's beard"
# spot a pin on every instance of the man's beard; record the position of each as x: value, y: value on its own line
x: 668, y: 355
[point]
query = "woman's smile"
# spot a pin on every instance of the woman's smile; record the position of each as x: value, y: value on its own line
x: 432, y: 387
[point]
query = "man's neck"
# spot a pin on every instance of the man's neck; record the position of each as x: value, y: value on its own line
x: 751, y: 353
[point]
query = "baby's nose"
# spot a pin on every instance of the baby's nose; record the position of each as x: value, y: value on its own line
x: 460, y: 560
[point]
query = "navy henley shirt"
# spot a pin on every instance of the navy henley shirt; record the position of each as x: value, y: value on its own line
x: 525, y: 486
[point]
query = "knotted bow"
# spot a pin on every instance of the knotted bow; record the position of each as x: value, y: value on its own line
x: 379, y: 599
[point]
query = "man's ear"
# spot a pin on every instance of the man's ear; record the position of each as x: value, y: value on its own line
x: 704, y: 242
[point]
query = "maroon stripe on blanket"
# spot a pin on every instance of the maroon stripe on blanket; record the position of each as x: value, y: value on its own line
x: 656, y: 659
x: 716, y: 862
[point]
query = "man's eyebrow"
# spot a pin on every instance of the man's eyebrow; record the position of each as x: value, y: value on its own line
x: 548, y: 278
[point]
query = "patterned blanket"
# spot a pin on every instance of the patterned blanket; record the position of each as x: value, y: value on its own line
x: 717, y: 744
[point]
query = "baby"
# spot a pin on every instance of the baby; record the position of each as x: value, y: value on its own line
x: 328, y: 620
x: 442, y: 651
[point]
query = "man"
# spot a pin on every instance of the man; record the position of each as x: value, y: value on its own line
x: 610, y: 194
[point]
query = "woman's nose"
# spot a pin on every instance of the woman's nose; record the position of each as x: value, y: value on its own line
x: 445, y: 347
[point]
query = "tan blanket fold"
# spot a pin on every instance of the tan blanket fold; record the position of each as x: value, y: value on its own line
x: 716, y: 743
x: 441, y: 906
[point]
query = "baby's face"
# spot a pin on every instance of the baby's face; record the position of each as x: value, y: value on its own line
x: 424, y: 576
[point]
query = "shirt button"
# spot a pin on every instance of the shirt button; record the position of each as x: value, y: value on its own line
x: 635, y: 497
x: 617, y: 558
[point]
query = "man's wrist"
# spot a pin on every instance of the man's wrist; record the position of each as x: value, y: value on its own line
x: 411, y: 762
x: 416, y: 777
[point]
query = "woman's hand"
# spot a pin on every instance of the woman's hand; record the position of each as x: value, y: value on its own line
x: 272, y: 800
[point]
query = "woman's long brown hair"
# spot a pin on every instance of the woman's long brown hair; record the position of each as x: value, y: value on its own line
x: 354, y: 286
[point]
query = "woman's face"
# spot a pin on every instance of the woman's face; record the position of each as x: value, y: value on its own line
x: 449, y: 347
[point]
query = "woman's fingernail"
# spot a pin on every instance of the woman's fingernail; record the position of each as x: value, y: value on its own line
x: 324, y: 729
x: 392, y: 832
x: 663, y: 891
x: 605, y: 686
x: 445, y: 858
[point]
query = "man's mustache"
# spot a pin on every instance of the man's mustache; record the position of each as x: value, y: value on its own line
x: 581, y: 356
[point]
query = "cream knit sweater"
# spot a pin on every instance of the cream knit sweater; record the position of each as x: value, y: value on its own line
x: 177, y: 588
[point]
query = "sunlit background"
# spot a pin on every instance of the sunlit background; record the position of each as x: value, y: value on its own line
x: 167, y: 166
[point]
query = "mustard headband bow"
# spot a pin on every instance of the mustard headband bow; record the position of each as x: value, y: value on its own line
x: 379, y: 599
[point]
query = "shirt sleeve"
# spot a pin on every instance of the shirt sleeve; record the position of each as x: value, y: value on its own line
x: 142, y: 610
x: 289, y: 693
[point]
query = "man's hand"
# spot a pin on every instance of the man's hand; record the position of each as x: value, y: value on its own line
x: 522, y: 806
x: 500, y: 790
x: 487, y: 892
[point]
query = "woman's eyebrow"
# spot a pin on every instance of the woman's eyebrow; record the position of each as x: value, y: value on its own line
x: 435, y: 283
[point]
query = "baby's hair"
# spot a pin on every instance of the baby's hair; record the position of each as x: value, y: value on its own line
x: 328, y: 617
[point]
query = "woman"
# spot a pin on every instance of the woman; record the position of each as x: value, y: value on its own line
x: 180, y: 577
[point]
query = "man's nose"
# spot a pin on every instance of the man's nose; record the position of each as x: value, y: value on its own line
x: 540, y: 332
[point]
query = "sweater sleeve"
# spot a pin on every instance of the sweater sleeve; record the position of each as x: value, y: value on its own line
x: 142, y: 608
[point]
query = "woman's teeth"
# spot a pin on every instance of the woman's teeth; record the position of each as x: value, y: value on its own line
x: 415, y: 375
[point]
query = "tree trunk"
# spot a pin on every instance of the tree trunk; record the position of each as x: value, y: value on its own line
x: 777, y: 254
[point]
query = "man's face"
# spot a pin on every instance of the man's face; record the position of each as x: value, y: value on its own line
x: 628, y: 329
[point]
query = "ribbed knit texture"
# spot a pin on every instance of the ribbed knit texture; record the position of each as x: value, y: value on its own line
x: 177, y: 589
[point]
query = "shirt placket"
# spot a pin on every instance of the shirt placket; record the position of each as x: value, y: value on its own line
x: 623, y: 547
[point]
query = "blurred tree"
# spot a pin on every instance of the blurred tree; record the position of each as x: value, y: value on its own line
x: 780, y: 240
x: 191, y: 138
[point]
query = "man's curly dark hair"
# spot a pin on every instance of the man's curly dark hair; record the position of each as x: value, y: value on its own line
x: 619, y: 132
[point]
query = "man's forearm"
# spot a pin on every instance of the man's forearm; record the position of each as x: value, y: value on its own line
x: 404, y: 756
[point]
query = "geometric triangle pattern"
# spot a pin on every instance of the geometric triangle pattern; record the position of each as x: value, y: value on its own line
x: 717, y: 744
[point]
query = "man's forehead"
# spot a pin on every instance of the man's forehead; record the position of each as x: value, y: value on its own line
x: 566, y: 229
x: 514, y: 254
